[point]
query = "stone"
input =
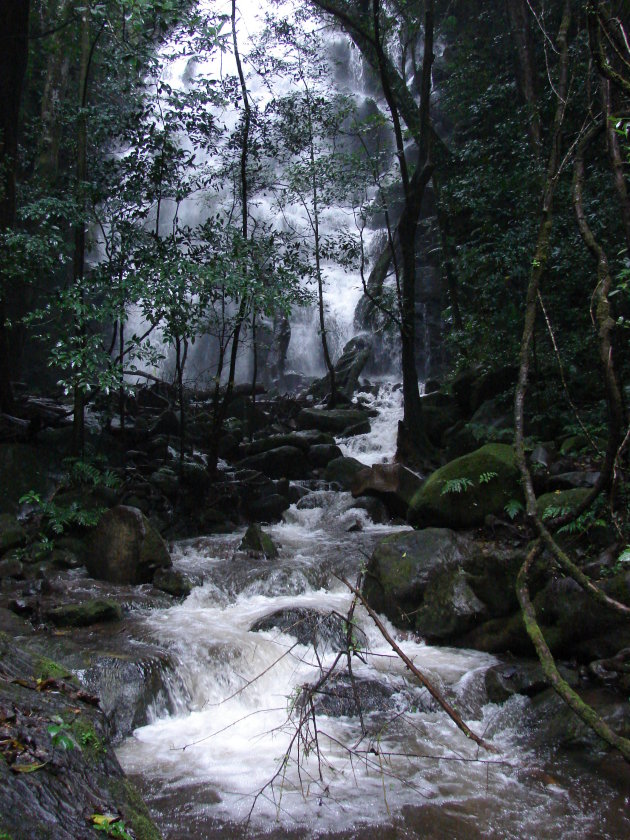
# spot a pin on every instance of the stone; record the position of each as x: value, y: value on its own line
x: 282, y: 462
x: 268, y: 509
x: 342, y: 471
x: 560, y: 500
x: 449, y: 607
x: 173, y: 582
x: 473, y: 387
x: 85, y: 613
x: 336, y: 421
x: 125, y: 548
x: 463, y: 492
x: 521, y: 676
x: 403, y: 565
x: 166, y: 424
x: 12, y: 534
x: 322, y: 454
x: 303, y: 440
x: 375, y: 508
x: 348, y: 368
x: 394, y: 484
x: 255, y: 540
x: 325, y: 631
x: 11, y: 567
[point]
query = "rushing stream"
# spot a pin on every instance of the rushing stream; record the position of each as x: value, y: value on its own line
x: 227, y: 761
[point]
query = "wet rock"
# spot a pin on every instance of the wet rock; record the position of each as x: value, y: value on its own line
x: 282, y: 462
x: 449, y: 607
x: 322, y: 454
x: 85, y: 613
x: 325, y: 631
x: 571, y: 480
x: 521, y: 676
x: 335, y: 421
x: 403, y: 565
x: 348, y: 368
x: 394, y: 484
x: 11, y: 567
x: 462, y: 493
x: 173, y: 582
x: 269, y: 509
x: 342, y: 471
x: 57, y: 799
x: 255, y: 540
x: 338, y: 697
x: 125, y: 548
x: 12, y: 534
x: 615, y: 670
x: 129, y: 684
x: 374, y: 507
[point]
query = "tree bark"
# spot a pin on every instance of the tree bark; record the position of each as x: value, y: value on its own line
x: 13, y: 62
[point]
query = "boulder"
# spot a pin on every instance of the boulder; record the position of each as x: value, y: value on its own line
x: 282, y: 462
x: 394, y: 484
x: 449, y: 607
x: 255, y: 540
x: 375, y: 508
x: 342, y: 471
x: 348, y: 368
x: 335, y: 421
x: 472, y: 387
x: 403, y: 566
x: 85, y: 613
x: 125, y: 548
x: 325, y: 631
x: 339, y: 695
x: 439, y: 413
x: 322, y: 454
x: 173, y: 582
x: 12, y: 534
x: 463, y: 492
x: 550, y: 505
x: 301, y: 440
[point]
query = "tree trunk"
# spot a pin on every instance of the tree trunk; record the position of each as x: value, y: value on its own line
x: 13, y: 61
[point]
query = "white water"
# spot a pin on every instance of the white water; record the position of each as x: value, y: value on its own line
x: 378, y: 446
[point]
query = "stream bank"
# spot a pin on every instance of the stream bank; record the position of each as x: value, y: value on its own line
x: 167, y: 655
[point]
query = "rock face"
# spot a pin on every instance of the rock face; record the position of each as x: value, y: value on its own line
x: 57, y: 799
x: 394, y: 484
x: 462, y: 493
x: 125, y: 548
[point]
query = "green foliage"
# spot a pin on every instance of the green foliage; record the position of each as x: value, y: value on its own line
x: 580, y: 525
x: 486, y: 477
x: 60, y: 736
x: 58, y: 517
x: 513, y: 508
x: 112, y: 826
x: 457, y: 485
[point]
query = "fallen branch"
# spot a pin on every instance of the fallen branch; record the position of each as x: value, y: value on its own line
x: 450, y: 711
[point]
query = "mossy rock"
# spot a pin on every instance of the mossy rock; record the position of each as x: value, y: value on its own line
x: 562, y: 500
x: 257, y: 541
x: 486, y: 479
x: 404, y: 566
x: 12, y: 534
x: 85, y: 613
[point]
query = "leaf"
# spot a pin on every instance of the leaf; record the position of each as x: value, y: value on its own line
x: 27, y: 768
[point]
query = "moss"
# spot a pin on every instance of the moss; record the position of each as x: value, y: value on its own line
x: 85, y: 735
x: 478, y: 497
x: 134, y: 810
x: 86, y: 613
x: 564, y: 500
x: 46, y: 669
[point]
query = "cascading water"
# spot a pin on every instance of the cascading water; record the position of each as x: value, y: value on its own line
x: 226, y: 759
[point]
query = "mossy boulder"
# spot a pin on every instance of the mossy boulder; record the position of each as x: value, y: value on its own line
x: 85, y: 613
x: 463, y: 492
x: 255, y: 540
x: 126, y: 548
x: 560, y: 502
x: 403, y: 567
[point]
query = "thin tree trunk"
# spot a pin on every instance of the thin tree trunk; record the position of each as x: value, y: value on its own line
x: 13, y: 62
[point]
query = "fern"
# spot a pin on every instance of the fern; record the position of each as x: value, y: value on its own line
x: 486, y: 477
x: 457, y: 485
x: 513, y: 508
